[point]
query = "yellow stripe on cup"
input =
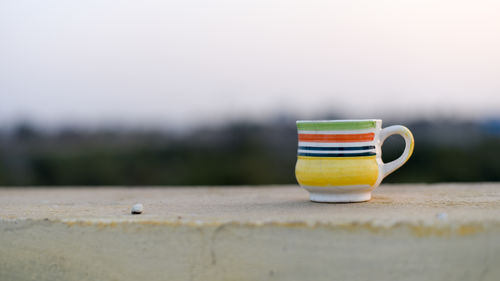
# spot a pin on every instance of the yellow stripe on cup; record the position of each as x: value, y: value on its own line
x: 336, y: 171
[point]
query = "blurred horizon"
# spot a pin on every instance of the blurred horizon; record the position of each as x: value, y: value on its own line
x: 237, y: 153
x: 181, y: 129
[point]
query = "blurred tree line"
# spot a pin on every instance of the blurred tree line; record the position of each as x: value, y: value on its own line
x: 234, y: 154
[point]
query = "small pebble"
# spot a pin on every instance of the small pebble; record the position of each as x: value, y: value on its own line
x: 137, y: 209
x: 442, y: 216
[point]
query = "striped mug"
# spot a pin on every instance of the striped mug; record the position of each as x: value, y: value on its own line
x: 340, y: 160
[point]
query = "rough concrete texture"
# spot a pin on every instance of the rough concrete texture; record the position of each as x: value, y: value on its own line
x: 406, y: 232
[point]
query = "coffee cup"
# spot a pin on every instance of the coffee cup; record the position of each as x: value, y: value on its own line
x: 341, y: 160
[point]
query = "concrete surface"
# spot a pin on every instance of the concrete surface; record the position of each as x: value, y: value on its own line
x: 406, y: 232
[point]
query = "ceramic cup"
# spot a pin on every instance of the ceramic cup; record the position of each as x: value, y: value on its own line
x: 341, y: 160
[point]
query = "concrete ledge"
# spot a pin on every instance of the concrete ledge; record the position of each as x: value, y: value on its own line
x: 407, y: 232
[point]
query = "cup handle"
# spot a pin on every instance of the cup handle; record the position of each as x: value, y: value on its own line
x: 390, y: 167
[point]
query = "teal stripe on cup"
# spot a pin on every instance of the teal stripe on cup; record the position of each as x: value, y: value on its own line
x: 326, y: 126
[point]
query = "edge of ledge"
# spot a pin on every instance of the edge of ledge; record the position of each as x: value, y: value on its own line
x: 416, y: 229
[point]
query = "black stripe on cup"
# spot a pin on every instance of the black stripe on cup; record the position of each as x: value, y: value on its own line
x: 337, y: 148
x: 336, y: 154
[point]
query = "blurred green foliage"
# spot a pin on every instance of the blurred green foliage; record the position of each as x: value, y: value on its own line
x: 235, y: 154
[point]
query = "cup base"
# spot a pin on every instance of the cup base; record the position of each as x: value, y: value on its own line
x: 340, y: 198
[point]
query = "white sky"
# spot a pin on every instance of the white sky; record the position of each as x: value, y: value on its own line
x: 188, y: 62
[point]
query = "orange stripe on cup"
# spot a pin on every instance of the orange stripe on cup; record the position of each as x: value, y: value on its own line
x: 336, y: 138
